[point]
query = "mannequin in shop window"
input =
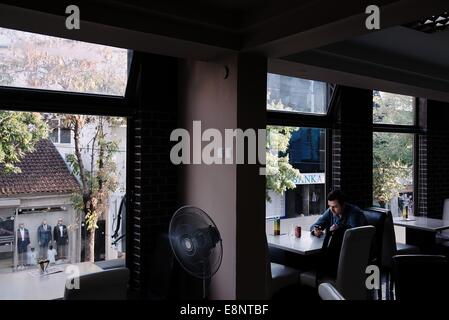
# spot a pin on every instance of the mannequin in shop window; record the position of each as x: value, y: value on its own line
x: 61, y: 239
x: 44, y: 237
x: 314, y: 202
x: 23, y: 240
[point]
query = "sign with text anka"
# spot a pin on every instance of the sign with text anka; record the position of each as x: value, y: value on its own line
x: 311, y: 178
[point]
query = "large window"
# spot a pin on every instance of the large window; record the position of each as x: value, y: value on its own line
x: 30, y: 60
x: 296, y: 185
x: 296, y: 154
x: 41, y: 181
x: 296, y: 95
x: 393, y: 152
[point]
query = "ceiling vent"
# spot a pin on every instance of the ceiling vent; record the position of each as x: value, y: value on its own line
x: 432, y: 24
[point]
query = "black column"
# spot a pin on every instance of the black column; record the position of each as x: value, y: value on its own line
x: 434, y: 158
x: 153, y: 178
x: 352, y: 146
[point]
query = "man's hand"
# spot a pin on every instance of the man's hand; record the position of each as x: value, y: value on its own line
x: 334, y: 227
x: 317, y: 232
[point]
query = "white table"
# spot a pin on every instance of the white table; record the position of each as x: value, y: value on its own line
x: 305, y: 245
x: 422, y: 223
x: 421, y: 231
x: 21, y: 285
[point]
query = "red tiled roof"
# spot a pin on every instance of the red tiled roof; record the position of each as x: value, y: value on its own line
x: 43, y: 172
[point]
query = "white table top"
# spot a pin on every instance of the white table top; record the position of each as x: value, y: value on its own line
x: 306, y: 245
x: 21, y: 285
x: 422, y: 223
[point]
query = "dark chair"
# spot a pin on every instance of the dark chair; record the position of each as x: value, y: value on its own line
x: 420, y: 277
x: 278, y: 275
x: 354, y: 258
x: 111, y: 264
x: 392, y: 248
x: 109, y: 284
x: 327, y: 291
x: 442, y: 237
x: 376, y: 218
x: 389, y: 248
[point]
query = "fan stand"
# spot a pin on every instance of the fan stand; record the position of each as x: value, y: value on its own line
x: 206, y: 275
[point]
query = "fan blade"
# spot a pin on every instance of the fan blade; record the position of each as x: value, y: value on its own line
x: 196, y: 242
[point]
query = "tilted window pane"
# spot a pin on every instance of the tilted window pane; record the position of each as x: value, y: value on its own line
x: 390, y: 108
x: 296, y: 95
x: 29, y: 60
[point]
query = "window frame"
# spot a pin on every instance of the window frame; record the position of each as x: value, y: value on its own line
x: 407, y: 127
x: 288, y: 113
x: 308, y: 120
x: 59, y: 131
x: 48, y: 101
x: 415, y: 129
x: 26, y: 90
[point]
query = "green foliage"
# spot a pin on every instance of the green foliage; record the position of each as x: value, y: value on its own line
x: 387, y: 178
x: 392, y: 152
x: 390, y: 108
x: 99, y: 180
x: 280, y: 175
x: 77, y: 200
x: 19, y: 134
x: 73, y: 163
x: 91, y: 219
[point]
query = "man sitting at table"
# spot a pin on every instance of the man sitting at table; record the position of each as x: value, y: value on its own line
x: 339, y: 217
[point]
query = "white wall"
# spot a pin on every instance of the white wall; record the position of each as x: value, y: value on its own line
x: 233, y: 195
x: 209, y: 98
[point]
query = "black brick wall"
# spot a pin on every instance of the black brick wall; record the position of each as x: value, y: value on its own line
x: 422, y: 175
x: 352, y: 146
x: 434, y: 158
x: 153, y: 178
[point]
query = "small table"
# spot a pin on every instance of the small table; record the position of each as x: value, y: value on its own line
x: 21, y: 285
x: 306, y: 245
x: 420, y: 230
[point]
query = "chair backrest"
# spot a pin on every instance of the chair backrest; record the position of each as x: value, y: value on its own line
x: 354, y: 257
x: 109, y: 284
x: 376, y: 218
x: 111, y: 264
x: 389, y: 248
x: 327, y: 291
x: 420, y: 277
x: 446, y: 209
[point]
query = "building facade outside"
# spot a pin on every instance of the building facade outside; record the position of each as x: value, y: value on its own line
x: 64, y: 142
x: 42, y: 191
